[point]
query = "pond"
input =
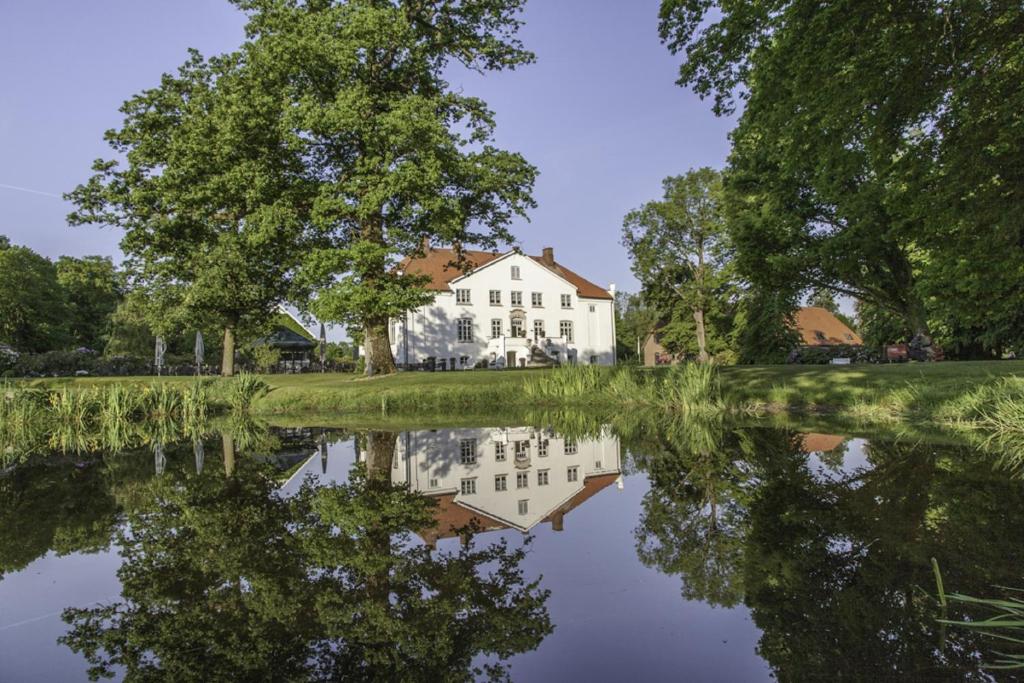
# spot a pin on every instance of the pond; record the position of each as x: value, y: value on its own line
x: 689, y: 551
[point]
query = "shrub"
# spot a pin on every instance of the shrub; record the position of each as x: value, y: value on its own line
x: 244, y: 388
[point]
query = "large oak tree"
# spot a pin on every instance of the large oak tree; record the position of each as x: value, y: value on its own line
x: 399, y: 157
x: 211, y: 195
x: 877, y: 153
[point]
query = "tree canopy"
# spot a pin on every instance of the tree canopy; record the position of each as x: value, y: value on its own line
x: 681, y: 254
x: 874, y: 153
x: 32, y: 304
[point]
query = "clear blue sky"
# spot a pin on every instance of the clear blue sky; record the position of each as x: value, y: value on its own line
x: 599, y: 113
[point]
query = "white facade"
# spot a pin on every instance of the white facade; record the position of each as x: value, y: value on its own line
x: 499, y: 311
x: 518, y: 476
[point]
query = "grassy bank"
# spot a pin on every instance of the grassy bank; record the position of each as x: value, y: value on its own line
x: 966, y: 392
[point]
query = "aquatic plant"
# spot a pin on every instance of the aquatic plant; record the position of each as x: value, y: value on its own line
x: 1001, y: 619
x: 572, y: 381
x: 692, y: 388
x: 243, y: 389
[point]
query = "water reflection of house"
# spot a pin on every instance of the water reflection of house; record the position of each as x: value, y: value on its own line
x: 821, y: 443
x: 506, y: 478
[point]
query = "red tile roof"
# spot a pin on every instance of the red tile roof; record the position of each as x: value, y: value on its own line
x: 439, y: 264
x: 812, y: 320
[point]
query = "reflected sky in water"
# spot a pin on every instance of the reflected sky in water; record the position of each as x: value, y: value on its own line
x: 693, y: 552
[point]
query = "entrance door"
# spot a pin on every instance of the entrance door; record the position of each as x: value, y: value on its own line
x: 510, y: 359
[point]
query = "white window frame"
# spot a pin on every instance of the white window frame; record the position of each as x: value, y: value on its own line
x: 499, y: 451
x: 542, y: 448
x: 524, y: 507
x: 467, y: 451
x: 467, y: 486
x: 501, y: 482
x: 537, y: 299
x: 567, y: 301
x: 565, y: 330
x: 572, y: 473
x: 522, y: 480
x: 496, y: 328
x: 516, y: 275
x: 570, y: 447
x: 463, y: 296
x: 494, y: 296
x: 543, y: 477
x: 464, y: 330
x: 538, y: 328
x: 435, y: 483
x: 516, y: 297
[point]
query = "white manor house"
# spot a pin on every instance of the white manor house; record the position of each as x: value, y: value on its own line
x: 508, y: 310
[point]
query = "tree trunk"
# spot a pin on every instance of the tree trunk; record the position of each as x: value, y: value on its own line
x: 917, y: 319
x: 227, y: 361
x: 379, y: 359
x: 380, y: 454
x: 228, y: 443
x: 702, y: 342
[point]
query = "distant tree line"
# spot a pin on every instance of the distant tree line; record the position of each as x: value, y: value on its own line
x: 876, y: 156
x: 92, y: 307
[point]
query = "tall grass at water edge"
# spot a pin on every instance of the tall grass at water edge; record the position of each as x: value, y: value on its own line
x: 67, y: 419
x: 687, y: 388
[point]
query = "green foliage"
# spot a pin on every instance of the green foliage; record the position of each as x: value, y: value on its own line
x: 878, y: 326
x: 92, y: 290
x: 874, y: 154
x: 32, y: 304
x: 764, y: 331
x: 209, y: 196
x: 396, y: 155
x: 243, y: 390
x: 265, y: 357
x: 681, y: 253
x: 634, y: 320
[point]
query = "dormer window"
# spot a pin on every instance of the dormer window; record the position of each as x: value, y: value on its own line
x: 515, y: 273
x: 819, y: 335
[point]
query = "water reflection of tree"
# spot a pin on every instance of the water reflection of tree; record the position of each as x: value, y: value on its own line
x: 835, y: 569
x: 57, y: 503
x: 225, y: 579
x: 694, y: 516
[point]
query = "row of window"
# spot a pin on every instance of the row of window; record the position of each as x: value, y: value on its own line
x: 467, y: 486
x: 463, y: 296
x: 464, y: 329
x: 468, y: 450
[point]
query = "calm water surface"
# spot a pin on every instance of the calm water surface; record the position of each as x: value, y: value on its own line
x: 694, y: 552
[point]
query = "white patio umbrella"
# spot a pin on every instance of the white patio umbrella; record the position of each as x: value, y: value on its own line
x: 200, y: 352
x: 323, y: 347
x: 161, y: 349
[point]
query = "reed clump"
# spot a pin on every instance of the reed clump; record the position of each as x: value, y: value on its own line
x: 243, y: 389
x: 70, y: 420
x: 687, y: 388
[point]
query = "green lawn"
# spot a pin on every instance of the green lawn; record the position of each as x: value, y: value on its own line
x: 865, y: 391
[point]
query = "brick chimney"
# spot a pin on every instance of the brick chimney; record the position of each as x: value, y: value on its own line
x: 558, y: 521
x: 548, y: 257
